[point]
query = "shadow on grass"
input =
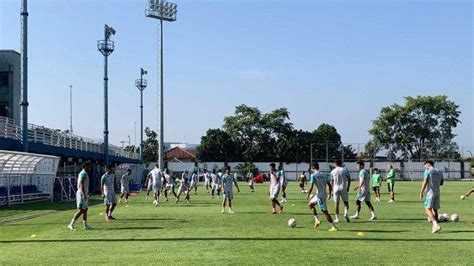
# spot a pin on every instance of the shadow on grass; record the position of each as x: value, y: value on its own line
x: 431, y: 240
x: 128, y: 228
x: 380, y: 231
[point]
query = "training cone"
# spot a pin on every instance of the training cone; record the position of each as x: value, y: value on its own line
x: 101, y: 213
x: 360, y: 234
x: 34, y: 236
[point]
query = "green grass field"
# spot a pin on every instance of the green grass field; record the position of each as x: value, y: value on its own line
x: 200, y: 234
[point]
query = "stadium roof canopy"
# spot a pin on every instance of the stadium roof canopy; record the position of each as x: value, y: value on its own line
x: 20, y: 163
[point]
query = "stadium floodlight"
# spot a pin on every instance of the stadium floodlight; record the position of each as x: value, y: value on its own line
x: 106, y: 47
x: 141, y: 85
x: 164, y: 11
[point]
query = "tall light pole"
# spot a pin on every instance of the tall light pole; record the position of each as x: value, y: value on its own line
x: 70, y: 109
x: 24, y: 74
x: 164, y: 11
x: 141, y: 85
x: 106, y: 47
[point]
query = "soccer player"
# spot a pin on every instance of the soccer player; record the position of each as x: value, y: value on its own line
x: 250, y: 181
x: 169, y: 180
x: 183, y: 187
x: 364, y: 192
x: 275, y: 185
x: 431, y: 185
x: 319, y: 180
x: 303, y: 181
x: 283, y: 182
x: 149, y: 185
x: 390, y: 177
x: 82, y: 197
x: 376, y: 183
x: 228, y: 180
x: 107, y: 183
x: 194, y: 179
x: 207, y: 180
x: 341, y: 182
x: 155, y: 176
x: 125, y: 185
x: 216, y: 183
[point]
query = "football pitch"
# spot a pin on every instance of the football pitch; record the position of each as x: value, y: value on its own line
x: 200, y: 234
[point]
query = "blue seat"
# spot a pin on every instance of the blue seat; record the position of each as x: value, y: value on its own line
x: 3, y: 191
x: 15, y: 190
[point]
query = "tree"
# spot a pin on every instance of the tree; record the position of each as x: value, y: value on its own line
x: 421, y: 128
x: 150, y: 150
x: 217, y: 146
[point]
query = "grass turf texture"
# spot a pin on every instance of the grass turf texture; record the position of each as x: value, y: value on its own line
x: 199, y: 233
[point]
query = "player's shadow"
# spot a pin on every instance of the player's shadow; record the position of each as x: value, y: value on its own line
x: 380, y: 231
x: 129, y: 228
x: 261, y: 239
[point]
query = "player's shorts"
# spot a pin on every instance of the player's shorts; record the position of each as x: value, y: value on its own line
x: 193, y: 184
x: 207, y: 182
x: 183, y: 188
x: 365, y: 196
x: 284, y: 183
x: 150, y: 187
x: 431, y: 202
x: 339, y: 195
x: 228, y: 194
x: 376, y: 188
x: 110, y: 198
x: 320, y: 201
x: 274, y: 192
x: 156, y: 188
x: 80, y: 202
x: 169, y: 186
x: 125, y: 189
x: 215, y: 186
x: 390, y: 186
x: 250, y: 182
x: 301, y: 185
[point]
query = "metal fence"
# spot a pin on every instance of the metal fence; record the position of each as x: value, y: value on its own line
x: 58, y: 138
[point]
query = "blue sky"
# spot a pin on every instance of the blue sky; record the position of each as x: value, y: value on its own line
x: 336, y: 62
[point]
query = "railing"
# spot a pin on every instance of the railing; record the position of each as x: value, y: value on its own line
x: 58, y: 138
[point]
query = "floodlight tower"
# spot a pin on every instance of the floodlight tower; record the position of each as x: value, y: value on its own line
x: 164, y: 11
x: 141, y: 85
x: 106, y: 47
x: 24, y: 74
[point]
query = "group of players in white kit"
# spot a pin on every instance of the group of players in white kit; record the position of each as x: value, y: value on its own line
x: 338, y: 184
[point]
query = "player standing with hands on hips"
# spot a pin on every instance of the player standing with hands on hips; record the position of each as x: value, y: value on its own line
x: 108, y: 192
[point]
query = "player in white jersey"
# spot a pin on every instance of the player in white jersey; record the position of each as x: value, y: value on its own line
x: 125, y: 185
x: 207, y: 180
x: 364, y: 192
x: 283, y: 182
x: 275, y: 185
x: 82, y: 197
x: 155, y: 176
x: 431, y: 185
x: 169, y: 180
x: 216, y: 184
x: 194, y: 180
x: 341, y: 182
x: 228, y: 179
x: 320, y: 180
x: 183, y: 187
x: 149, y: 185
x: 250, y: 181
x: 107, y: 187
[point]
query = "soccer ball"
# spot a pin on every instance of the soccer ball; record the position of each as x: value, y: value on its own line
x: 454, y: 218
x: 463, y: 197
x: 292, y: 222
x: 443, y: 217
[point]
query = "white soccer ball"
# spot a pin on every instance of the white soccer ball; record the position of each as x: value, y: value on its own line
x: 443, y: 217
x: 292, y: 222
x: 454, y: 218
x: 463, y: 197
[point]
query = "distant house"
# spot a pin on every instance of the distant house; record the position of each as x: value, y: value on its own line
x: 178, y: 154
